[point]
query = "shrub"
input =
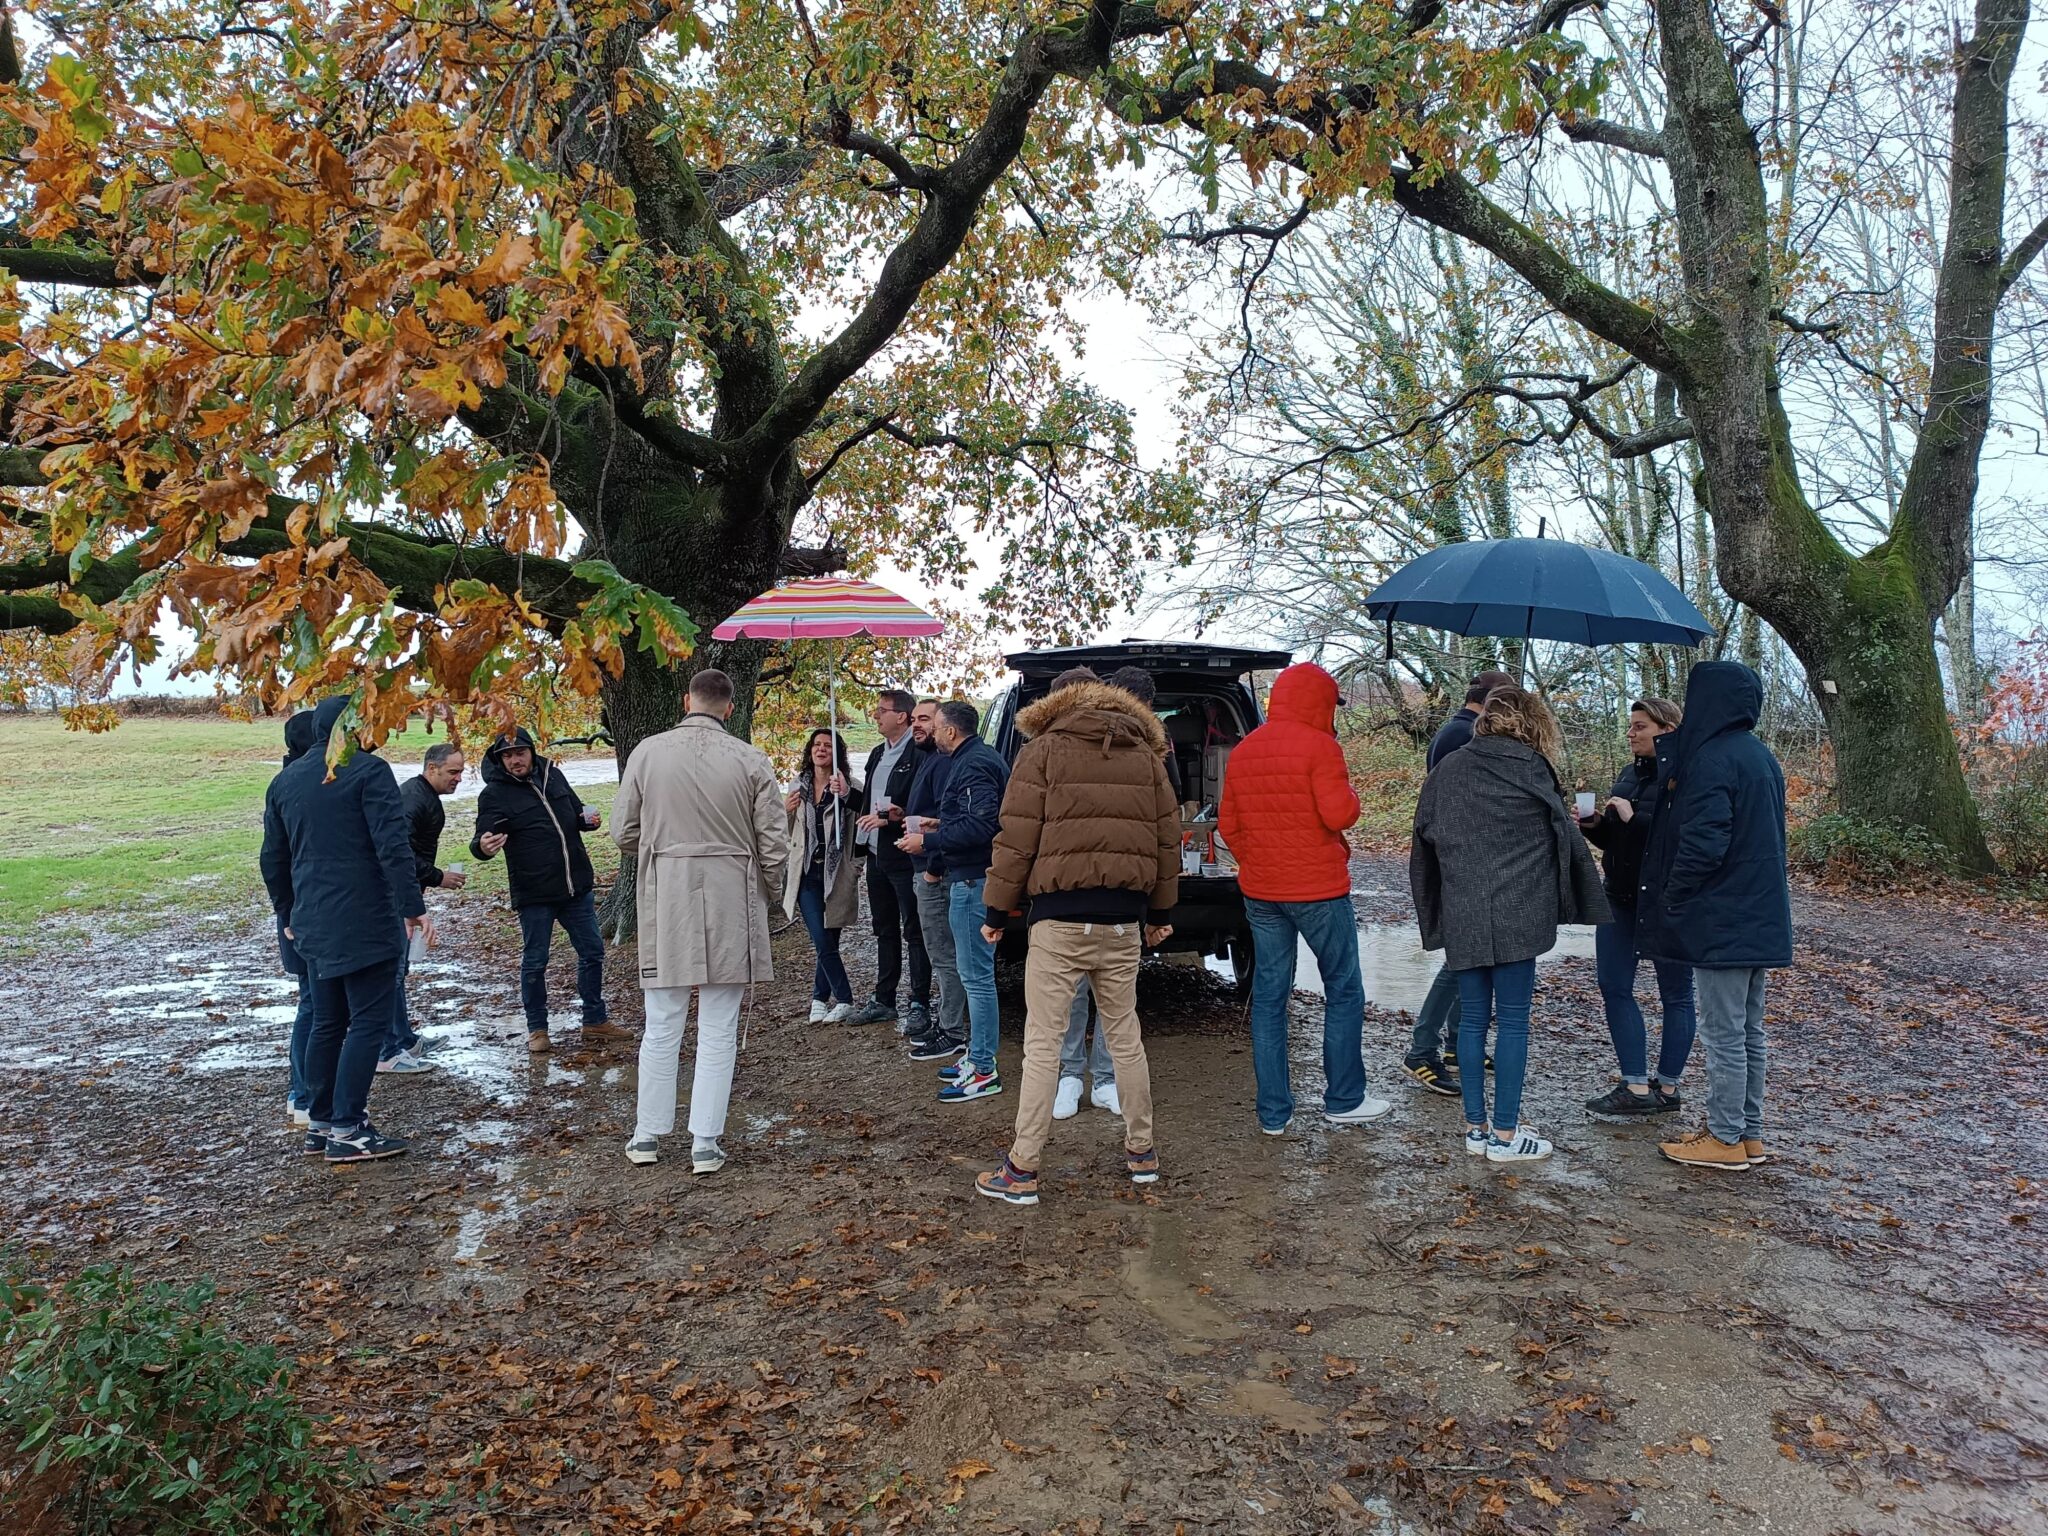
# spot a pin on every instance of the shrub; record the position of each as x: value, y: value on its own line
x: 1839, y: 847
x: 1387, y: 770
x: 129, y: 1408
x: 2006, y: 757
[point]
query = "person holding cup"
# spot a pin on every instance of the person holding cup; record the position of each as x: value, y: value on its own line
x: 529, y: 812
x: 818, y: 880
x: 1620, y: 829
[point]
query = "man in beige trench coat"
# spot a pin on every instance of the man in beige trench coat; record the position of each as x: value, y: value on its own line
x: 701, y: 814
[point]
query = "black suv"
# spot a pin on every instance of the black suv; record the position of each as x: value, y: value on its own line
x: 1207, y: 705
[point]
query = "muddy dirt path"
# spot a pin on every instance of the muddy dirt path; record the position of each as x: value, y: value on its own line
x: 1357, y: 1329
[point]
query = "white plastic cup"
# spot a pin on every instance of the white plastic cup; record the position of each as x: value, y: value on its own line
x: 451, y: 869
x: 419, y: 945
x: 913, y: 824
x: 1585, y: 802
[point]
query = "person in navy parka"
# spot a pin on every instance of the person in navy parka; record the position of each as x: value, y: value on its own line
x: 1713, y: 895
x: 337, y: 863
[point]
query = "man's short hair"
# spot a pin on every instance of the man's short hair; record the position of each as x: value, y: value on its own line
x: 961, y: 715
x: 898, y: 699
x: 439, y: 753
x: 1135, y: 681
x: 711, y: 687
x: 1074, y: 675
x: 930, y: 699
x: 1485, y: 683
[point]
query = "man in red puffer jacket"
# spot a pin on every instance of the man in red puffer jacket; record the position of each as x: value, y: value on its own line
x: 1287, y: 798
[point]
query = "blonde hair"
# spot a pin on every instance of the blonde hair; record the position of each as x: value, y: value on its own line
x: 1665, y: 714
x: 1522, y: 716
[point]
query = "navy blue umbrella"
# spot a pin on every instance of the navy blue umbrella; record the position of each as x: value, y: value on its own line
x: 1538, y: 589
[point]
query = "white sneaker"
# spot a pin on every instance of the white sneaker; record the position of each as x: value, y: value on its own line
x: 1476, y: 1138
x: 1525, y: 1147
x: 839, y: 1013
x: 1369, y: 1108
x: 706, y: 1157
x: 1275, y: 1130
x: 1066, y: 1103
x: 643, y: 1150
x: 1103, y: 1096
x: 406, y: 1064
x: 819, y: 1008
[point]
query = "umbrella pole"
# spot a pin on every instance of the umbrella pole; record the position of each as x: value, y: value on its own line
x: 832, y: 704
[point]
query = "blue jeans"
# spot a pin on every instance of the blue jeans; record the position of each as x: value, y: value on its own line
x: 1614, y: 959
x: 1076, y: 1051
x: 301, y: 1091
x: 1439, y: 1008
x: 1501, y: 993
x: 829, y: 981
x: 976, y: 958
x: 1331, y: 929
x: 401, y: 1037
x: 578, y: 917
x: 1732, y: 1030
x: 350, y: 1016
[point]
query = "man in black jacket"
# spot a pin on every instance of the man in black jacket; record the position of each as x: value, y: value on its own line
x: 529, y: 811
x: 440, y: 771
x: 892, y: 899
x: 340, y: 877
x: 1434, y: 1029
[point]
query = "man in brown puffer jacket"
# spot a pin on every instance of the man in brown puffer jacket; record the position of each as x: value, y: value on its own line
x: 1091, y: 839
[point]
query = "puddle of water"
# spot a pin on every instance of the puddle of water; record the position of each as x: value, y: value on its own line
x: 1163, y: 1278
x: 773, y: 1127
x: 1397, y: 970
x: 1272, y: 1402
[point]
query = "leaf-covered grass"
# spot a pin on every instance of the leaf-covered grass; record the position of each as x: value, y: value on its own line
x: 162, y: 818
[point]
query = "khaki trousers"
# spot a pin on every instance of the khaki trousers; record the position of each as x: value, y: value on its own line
x: 1060, y: 955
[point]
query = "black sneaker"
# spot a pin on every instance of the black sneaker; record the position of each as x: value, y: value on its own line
x: 1618, y: 1103
x: 1434, y: 1074
x: 364, y: 1144
x: 937, y: 1048
x: 1666, y: 1099
x: 315, y: 1144
x: 1451, y: 1059
x: 915, y: 1020
x: 873, y: 1011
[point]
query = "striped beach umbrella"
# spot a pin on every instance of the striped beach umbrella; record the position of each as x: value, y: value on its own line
x: 829, y: 608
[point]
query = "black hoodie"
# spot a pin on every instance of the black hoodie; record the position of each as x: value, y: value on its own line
x: 335, y: 857
x: 542, y: 820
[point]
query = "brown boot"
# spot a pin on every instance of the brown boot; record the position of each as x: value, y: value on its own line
x: 1755, y: 1150
x: 537, y: 1041
x: 606, y: 1032
x: 1703, y: 1150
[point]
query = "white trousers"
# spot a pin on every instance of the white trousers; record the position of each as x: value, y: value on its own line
x: 661, y: 1049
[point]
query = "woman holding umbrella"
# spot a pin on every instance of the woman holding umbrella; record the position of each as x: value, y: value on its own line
x: 819, y: 881
x: 1496, y: 866
x: 1621, y: 830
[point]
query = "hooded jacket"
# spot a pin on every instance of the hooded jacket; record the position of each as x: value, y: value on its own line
x: 1497, y: 864
x: 1090, y: 829
x: 970, y: 805
x: 298, y: 741
x: 1287, y: 796
x: 335, y: 858
x: 1713, y: 890
x: 542, y: 820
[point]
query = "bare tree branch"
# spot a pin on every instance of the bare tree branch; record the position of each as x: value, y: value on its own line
x: 1600, y: 130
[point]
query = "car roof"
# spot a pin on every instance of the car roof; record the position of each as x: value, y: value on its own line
x: 1156, y: 656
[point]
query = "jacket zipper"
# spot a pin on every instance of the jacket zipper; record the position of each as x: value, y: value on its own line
x: 568, y: 876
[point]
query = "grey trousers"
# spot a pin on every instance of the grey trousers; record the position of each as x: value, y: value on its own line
x: 1731, y: 1005
x: 938, y: 943
x: 1075, y: 1049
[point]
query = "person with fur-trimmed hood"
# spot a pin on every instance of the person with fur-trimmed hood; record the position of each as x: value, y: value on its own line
x: 1090, y: 838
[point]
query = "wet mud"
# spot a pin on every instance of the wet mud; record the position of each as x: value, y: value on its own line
x: 1338, y: 1329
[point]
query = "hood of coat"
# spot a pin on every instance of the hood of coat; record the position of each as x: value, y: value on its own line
x: 1517, y: 762
x: 302, y: 734
x: 1095, y: 712
x: 1306, y: 695
x: 1720, y: 696
x: 494, y: 771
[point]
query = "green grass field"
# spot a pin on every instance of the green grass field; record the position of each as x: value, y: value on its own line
x: 161, y: 819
